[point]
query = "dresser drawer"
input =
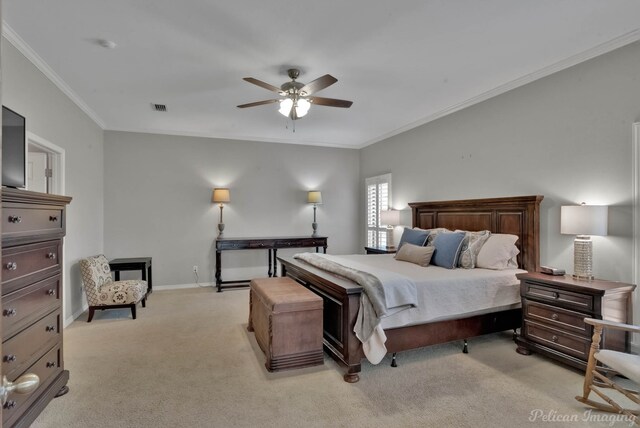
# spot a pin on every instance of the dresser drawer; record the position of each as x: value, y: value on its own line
x: 23, y: 349
x: 29, y: 304
x: 46, y: 368
x: 556, y: 339
x: 558, y: 297
x: 18, y: 221
x: 563, y: 319
x: 24, y: 264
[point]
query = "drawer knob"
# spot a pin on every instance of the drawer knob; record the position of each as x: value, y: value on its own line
x: 9, y: 404
x: 11, y: 266
x: 50, y: 328
x: 51, y: 292
x: 9, y: 312
x: 555, y: 317
x: 50, y: 364
x: 554, y: 338
x: 9, y: 358
x: 556, y: 295
x: 15, y: 219
x: 53, y: 218
x: 51, y: 256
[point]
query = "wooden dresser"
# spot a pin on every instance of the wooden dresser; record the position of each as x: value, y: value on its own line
x: 553, y: 313
x: 33, y: 225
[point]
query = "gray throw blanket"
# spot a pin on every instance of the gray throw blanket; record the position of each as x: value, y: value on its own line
x: 373, y: 301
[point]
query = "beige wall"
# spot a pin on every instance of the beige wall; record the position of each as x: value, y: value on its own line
x: 51, y: 115
x: 158, y: 200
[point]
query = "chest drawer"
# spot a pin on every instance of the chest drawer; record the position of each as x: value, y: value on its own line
x: 557, y: 339
x: 29, y: 304
x: 46, y: 368
x: 557, y: 297
x: 556, y: 317
x: 22, y: 350
x: 25, y: 264
x: 18, y: 221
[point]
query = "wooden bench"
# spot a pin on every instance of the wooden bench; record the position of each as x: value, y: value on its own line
x: 287, y: 321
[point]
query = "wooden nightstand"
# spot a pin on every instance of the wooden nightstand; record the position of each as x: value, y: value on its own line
x: 553, y: 310
x: 380, y: 250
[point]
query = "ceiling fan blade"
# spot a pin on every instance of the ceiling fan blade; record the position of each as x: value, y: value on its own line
x: 318, y: 84
x: 330, y: 102
x: 258, y: 103
x: 263, y: 84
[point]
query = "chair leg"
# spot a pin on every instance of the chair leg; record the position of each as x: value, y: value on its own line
x: 144, y: 302
x: 133, y: 310
x: 91, y: 311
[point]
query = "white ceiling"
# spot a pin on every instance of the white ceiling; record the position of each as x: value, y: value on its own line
x: 402, y: 63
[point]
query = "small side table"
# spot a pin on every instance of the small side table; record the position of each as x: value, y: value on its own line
x: 143, y: 264
x: 380, y: 250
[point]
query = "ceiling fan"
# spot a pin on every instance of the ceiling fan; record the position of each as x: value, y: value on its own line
x: 297, y: 97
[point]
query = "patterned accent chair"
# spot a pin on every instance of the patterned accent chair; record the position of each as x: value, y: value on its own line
x: 105, y: 293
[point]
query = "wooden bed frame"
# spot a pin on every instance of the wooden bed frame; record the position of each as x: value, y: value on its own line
x: 518, y: 215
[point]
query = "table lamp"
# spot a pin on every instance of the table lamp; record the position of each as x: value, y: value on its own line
x: 221, y: 196
x: 392, y: 219
x: 583, y: 221
x: 314, y: 197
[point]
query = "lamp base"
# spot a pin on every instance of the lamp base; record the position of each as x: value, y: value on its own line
x: 314, y: 225
x: 220, y: 230
x: 583, y: 258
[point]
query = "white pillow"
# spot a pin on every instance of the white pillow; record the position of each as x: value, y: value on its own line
x: 497, y: 251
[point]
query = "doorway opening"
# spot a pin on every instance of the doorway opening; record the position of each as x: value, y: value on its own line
x: 45, y: 166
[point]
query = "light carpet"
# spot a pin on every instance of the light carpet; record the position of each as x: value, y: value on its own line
x: 188, y: 361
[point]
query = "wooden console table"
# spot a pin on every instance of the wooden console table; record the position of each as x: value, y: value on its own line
x: 270, y: 244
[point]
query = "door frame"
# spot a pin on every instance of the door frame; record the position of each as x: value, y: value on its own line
x: 57, y: 184
x: 635, y: 248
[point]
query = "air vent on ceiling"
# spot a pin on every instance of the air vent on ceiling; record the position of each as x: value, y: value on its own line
x: 159, y: 107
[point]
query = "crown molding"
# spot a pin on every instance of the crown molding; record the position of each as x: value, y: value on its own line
x: 601, y: 49
x: 22, y: 46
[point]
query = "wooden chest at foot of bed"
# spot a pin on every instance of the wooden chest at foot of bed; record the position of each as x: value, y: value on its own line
x: 287, y: 321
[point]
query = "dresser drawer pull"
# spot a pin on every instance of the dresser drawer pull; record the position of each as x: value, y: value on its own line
x: 9, y: 358
x: 50, y: 364
x: 11, y: 266
x: 51, y: 256
x: 53, y: 218
x: 555, y: 317
x: 15, y: 219
x: 51, y: 292
x: 554, y: 339
x: 556, y: 295
x: 9, y: 312
x: 9, y: 404
x: 50, y: 328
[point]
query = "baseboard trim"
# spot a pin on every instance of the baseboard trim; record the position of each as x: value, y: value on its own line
x: 182, y: 286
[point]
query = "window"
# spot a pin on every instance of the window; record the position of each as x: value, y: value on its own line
x: 378, y: 199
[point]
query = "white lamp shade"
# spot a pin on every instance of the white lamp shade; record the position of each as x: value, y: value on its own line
x: 314, y: 197
x: 584, y: 220
x: 220, y: 195
x: 390, y: 217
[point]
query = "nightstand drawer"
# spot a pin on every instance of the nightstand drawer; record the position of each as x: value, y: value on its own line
x: 572, y: 322
x: 556, y: 296
x: 557, y: 339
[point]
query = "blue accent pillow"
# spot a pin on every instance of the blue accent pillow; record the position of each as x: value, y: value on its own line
x: 413, y: 236
x: 448, y: 246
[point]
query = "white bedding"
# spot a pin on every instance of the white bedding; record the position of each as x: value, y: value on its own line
x: 445, y: 293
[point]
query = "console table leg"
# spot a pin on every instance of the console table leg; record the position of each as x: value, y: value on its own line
x: 275, y: 262
x: 218, y: 272
x: 269, y: 271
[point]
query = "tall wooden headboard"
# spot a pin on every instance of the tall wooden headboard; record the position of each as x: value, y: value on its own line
x: 518, y: 215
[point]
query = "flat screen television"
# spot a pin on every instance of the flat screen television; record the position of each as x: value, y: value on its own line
x: 14, y: 149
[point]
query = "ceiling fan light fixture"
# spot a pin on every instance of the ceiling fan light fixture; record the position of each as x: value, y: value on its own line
x: 285, y: 106
x: 302, y: 107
